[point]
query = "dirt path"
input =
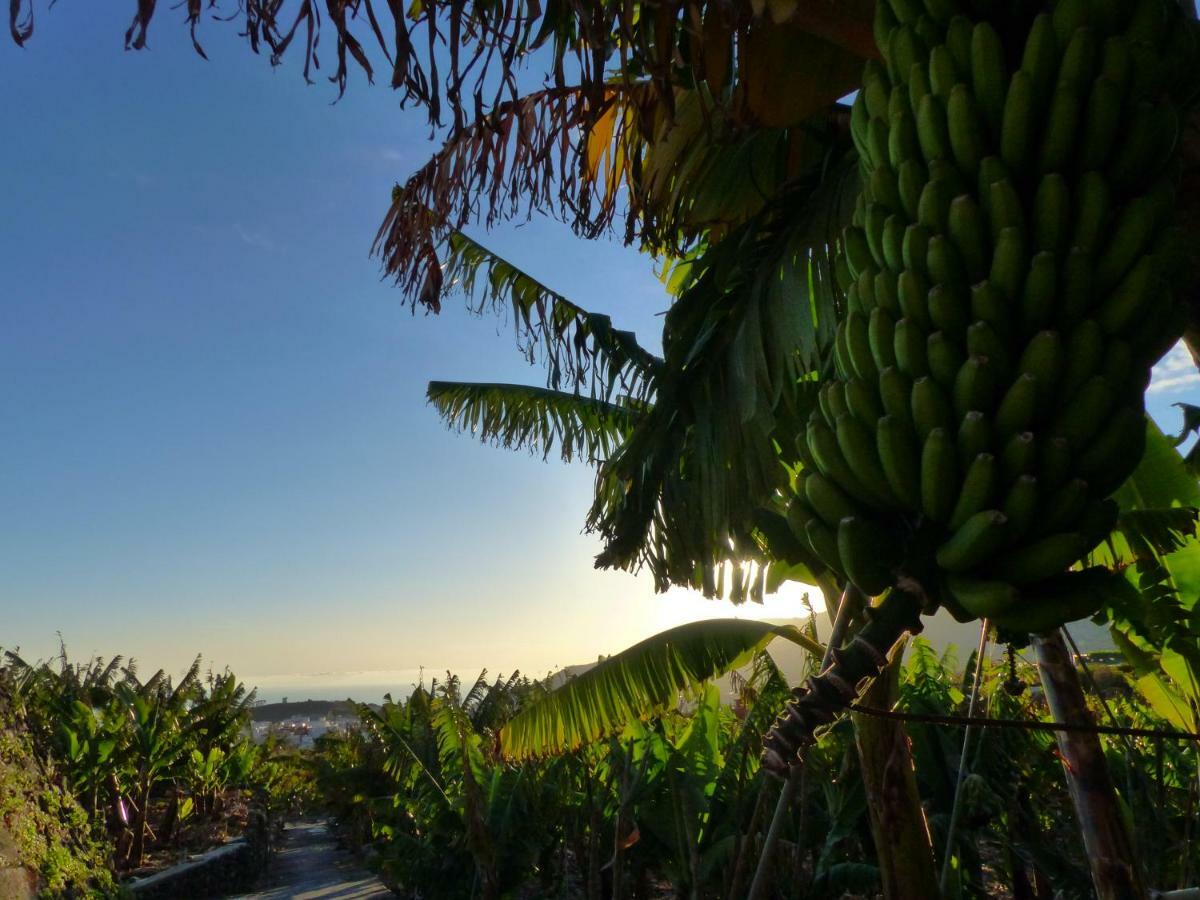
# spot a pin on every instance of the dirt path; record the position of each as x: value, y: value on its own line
x: 310, y: 866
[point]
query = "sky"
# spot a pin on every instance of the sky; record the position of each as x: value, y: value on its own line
x: 213, y: 434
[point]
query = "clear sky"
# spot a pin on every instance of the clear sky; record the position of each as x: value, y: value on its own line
x: 213, y: 435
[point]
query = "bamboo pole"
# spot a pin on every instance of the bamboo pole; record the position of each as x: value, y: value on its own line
x: 1106, y: 839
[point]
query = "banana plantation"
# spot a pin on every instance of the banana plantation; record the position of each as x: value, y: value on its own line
x: 920, y: 259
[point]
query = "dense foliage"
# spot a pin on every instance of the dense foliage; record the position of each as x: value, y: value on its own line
x: 677, y: 804
x: 155, y: 765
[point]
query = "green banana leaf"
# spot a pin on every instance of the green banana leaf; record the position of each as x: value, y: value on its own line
x: 1160, y: 636
x: 638, y: 682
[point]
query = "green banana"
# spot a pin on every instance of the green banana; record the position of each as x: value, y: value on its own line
x: 900, y: 457
x: 858, y: 345
x: 944, y: 262
x: 884, y: 188
x: 910, y: 343
x: 948, y: 308
x: 943, y: 75
x: 1004, y: 208
x: 932, y: 129
x: 858, y: 252
x: 1017, y: 126
x: 893, y: 242
x: 916, y: 249
x: 988, y: 306
x: 1111, y: 457
x: 1010, y: 262
x: 1064, y: 507
x: 1039, y: 298
x: 1042, y: 559
x: 881, y: 333
x: 862, y: 548
x: 1021, y: 506
x: 978, y: 489
x: 1069, y: 17
x: 913, y: 292
x: 1077, y: 293
x: 1054, y: 604
x: 1084, y: 356
x: 945, y: 359
x: 823, y: 541
x: 827, y: 500
x: 1020, y: 456
x: 862, y: 402
x: 966, y: 130
x: 1062, y: 129
x: 910, y: 182
x: 1083, y: 415
x: 974, y: 386
x: 1093, y: 201
x: 1131, y: 298
x: 983, y: 599
x: 885, y: 293
x: 1135, y: 229
x: 1055, y: 463
x: 1040, y: 59
x: 895, y: 392
x: 933, y: 207
x: 939, y: 482
x: 1079, y: 60
x: 1101, y: 124
x: 959, y: 38
x: 1052, y: 214
x: 857, y: 445
x: 974, y: 436
x: 823, y: 446
x: 1018, y: 408
x: 982, y: 340
x: 966, y: 227
x: 975, y: 541
x: 930, y: 408
x: 989, y: 74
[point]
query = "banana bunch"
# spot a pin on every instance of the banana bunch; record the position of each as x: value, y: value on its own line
x: 1008, y: 287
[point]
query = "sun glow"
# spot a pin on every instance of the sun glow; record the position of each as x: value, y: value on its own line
x: 678, y: 606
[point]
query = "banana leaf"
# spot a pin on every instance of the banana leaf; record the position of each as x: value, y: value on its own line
x: 639, y: 682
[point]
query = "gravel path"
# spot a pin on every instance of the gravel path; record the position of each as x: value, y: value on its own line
x: 310, y: 866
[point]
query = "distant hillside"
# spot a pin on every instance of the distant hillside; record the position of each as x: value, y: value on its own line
x: 304, y: 709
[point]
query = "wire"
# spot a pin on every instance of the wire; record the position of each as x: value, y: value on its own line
x: 1024, y: 723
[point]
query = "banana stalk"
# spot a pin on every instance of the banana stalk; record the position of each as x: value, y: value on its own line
x: 1106, y: 839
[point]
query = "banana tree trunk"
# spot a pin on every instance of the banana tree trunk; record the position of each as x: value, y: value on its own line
x: 1106, y: 839
x: 902, y: 842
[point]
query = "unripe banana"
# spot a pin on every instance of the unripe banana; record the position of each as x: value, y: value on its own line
x: 959, y: 38
x: 982, y: 340
x: 943, y: 74
x: 1131, y: 297
x: 933, y: 208
x: 978, y: 489
x: 1038, y: 300
x: 974, y: 436
x: 823, y: 445
x: 862, y: 402
x: 989, y: 74
x: 1020, y: 456
x: 823, y: 541
x: 910, y: 182
x: 930, y: 407
x: 1078, y: 66
x: 1112, y: 456
x: 1135, y: 230
x: 1018, y: 409
x: 983, y: 599
x: 988, y: 306
x: 1010, y: 262
x: 862, y: 548
x: 1093, y: 202
x: 966, y: 131
x: 948, y: 309
x: 858, y: 345
x: 1042, y: 559
x: 893, y: 242
x: 1064, y: 508
x: 895, y: 392
x: 1062, y: 129
x: 1052, y: 214
x: 944, y: 263
x: 884, y: 189
x: 1021, y: 506
x: 1101, y: 124
x: 1077, y: 291
x: 1040, y: 60
x: 881, y: 333
x: 967, y: 230
x: 1017, y: 134
x: 932, y: 130
x: 1085, y: 413
x: 974, y: 386
x: 939, y: 482
x: 900, y: 456
x: 1069, y: 17
x: 858, y: 252
x: 945, y: 359
x: 916, y: 249
x: 975, y: 541
x: 857, y: 445
x: 910, y: 343
x: 1044, y: 359
x: 1055, y: 463
x: 827, y: 500
x: 1004, y: 208
x: 885, y: 293
x: 1084, y: 355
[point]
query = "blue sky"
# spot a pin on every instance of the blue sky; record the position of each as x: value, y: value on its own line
x: 214, y: 429
x: 215, y: 434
